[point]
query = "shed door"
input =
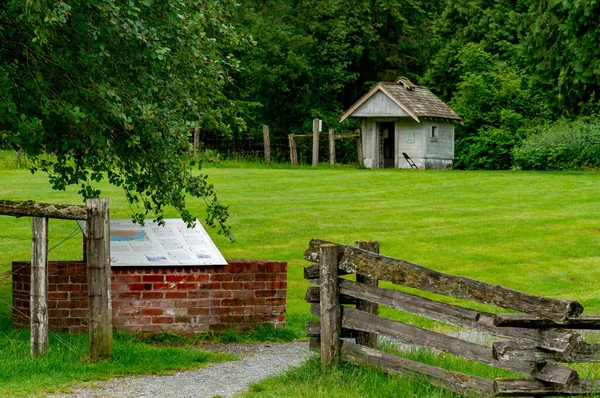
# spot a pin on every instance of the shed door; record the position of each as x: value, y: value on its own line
x: 387, y: 145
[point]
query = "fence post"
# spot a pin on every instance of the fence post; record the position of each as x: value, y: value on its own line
x: 293, y: 152
x: 331, y: 147
x: 267, y: 139
x: 315, y: 154
x: 99, y: 273
x: 331, y: 317
x: 366, y: 338
x: 39, y: 286
x: 359, y: 148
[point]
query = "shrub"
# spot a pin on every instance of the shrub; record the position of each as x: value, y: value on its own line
x: 564, y: 145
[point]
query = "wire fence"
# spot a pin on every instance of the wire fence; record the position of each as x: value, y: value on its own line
x: 251, y: 148
x: 6, y: 279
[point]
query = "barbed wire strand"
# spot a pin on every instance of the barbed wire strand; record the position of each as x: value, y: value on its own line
x: 28, y: 264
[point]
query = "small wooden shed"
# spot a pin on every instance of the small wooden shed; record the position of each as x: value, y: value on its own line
x: 399, y: 118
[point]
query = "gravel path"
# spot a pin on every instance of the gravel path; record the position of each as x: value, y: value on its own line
x: 258, y: 361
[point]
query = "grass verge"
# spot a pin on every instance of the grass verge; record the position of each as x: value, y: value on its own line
x: 66, y: 362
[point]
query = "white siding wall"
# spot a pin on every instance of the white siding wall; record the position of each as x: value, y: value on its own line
x: 379, y: 105
x: 414, y: 138
x: 410, y: 140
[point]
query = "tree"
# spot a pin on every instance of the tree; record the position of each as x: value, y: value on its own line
x: 560, y: 45
x: 113, y: 90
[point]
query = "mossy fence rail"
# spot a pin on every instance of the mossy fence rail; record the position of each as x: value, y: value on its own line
x: 536, y: 344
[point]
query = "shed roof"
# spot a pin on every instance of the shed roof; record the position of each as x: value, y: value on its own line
x: 417, y: 101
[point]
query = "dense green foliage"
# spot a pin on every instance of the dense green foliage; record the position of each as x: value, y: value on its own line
x: 562, y: 146
x: 113, y: 89
x: 507, y: 67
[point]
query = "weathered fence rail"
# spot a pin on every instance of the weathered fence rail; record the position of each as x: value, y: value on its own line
x: 536, y: 344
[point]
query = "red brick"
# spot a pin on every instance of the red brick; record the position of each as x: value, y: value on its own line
x: 266, y: 293
x: 187, y: 286
x: 242, y: 277
x: 220, y: 278
x: 81, y: 313
x: 140, y: 303
x: 153, y: 311
x: 232, y: 285
x: 140, y: 320
x: 58, y: 279
x: 162, y: 319
x: 58, y: 296
x: 140, y: 286
x: 242, y: 294
x: 153, y: 278
x: 176, y: 295
x: 276, y: 285
x: 81, y: 295
x: 153, y: 295
x: 235, y: 267
x: 254, y: 301
x: 198, y: 294
x: 254, y: 285
x: 129, y: 295
x: 265, y: 277
x: 165, y: 286
x: 210, y: 286
x: 119, y: 286
x: 78, y: 279
x: 197, y: 278
x: 275, y: 301
x: 251, y: 267
x: 198, y: 311
x: 281, y: 293
x: 282, y: 277
x: 183, y: 319
x: 129, y: 278
x: 176, y: 278
x: 220, y: 294
x: 231, y: 302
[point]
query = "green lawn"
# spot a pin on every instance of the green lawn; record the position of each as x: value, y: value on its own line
x: 538, y: 232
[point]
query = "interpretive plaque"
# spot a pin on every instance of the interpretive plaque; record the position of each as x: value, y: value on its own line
x: 170, y: 244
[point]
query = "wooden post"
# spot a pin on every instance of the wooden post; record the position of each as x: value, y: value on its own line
x: 359, y: 148
x: 293, y: 151
x: 267, y: 139
x: 18, y: 157
x: 331, y: 317
x: 315, y: 154
x: 366, y: 338
x: 331, y: 147
x: 39, y: 286
x: 99, y: 272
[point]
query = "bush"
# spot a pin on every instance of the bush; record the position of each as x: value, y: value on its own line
x: 491, y: 149
x: 564, y: 145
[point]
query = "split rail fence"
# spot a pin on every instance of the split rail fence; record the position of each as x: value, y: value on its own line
x: 315, y: 136
x: 535, y: 344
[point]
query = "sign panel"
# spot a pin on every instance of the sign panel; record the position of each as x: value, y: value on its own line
x: 171, y: 244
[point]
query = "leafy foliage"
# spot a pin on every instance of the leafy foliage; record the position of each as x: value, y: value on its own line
x: 563, y: 145
x: 113, y: 89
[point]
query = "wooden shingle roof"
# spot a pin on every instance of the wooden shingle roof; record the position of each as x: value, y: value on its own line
x: 417, y: 101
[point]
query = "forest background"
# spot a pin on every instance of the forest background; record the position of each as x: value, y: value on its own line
x: 523, y: 74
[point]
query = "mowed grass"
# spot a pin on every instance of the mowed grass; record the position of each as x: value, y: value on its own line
x: 538, y: 232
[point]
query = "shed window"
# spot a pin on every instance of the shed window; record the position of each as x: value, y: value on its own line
x: 434, y: 133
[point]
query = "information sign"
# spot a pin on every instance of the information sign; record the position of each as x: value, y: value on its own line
x: 171, y: 244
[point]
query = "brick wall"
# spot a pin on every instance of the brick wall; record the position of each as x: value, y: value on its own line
x: 185, y: 300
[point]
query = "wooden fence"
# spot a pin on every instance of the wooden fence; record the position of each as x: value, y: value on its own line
x: 535, y: 344
x: 97, y: 216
